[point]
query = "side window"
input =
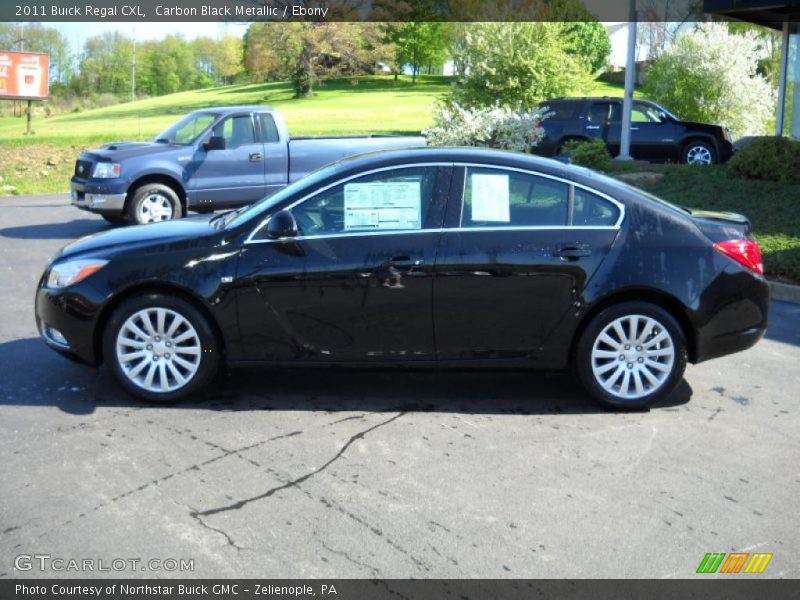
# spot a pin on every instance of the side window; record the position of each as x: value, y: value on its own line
x: 642, y: 113
x: 591, y: 210
x: 395, y: 200
x: 600, y: 112
x: 269, y: 131
x: 497, y: 198
x: 237, y: 131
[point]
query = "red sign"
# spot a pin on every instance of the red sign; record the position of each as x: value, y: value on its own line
x: 24, y: 75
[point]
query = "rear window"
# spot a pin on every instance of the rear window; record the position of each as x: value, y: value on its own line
x: 590, y: 210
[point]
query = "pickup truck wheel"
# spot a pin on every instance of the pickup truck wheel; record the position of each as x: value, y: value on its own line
x: 154, y: 202
x: 699, y: 153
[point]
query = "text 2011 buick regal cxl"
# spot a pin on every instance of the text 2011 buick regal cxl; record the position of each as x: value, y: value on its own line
x: 426, y: 257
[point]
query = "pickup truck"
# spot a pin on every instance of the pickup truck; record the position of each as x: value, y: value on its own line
x: 211, y: 159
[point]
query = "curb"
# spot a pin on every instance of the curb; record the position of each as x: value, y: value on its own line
x: 785, y: 292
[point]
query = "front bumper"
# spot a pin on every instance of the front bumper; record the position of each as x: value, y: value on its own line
x: 101, y: 198
x: 66, y: 320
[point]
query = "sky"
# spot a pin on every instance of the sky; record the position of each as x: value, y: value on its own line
x: 78, y: 33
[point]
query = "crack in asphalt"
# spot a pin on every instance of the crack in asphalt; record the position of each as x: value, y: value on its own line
x: 375, y: 571
x: 295, y: 482
x: 196, y: 516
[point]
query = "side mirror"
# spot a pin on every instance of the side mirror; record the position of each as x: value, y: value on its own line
x: 281, y: 225
x: 215, y: 142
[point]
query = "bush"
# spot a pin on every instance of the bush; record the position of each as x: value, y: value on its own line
x: 711, y: 75
x: 770, y: 158
x: 494, y: 127
x: 592, y: 154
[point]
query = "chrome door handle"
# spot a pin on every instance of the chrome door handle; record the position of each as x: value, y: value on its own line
x: 256, y: 156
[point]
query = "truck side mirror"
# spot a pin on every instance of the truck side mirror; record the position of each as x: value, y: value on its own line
x: 215, y: 142
x: 281, y: 225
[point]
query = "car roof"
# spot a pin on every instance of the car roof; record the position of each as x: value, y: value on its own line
x: 227, y: 110
x: 483, y: 156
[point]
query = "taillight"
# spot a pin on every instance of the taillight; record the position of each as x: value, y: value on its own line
x: 745, y: 252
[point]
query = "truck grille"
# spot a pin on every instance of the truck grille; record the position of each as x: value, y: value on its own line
x: 83, y: 168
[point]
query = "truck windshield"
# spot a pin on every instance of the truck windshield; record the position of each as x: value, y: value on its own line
x: 188, y: 129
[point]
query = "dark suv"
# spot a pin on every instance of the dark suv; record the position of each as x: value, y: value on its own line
x: 656, y: 133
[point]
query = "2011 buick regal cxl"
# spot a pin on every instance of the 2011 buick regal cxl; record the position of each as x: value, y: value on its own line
x: 425, y: 257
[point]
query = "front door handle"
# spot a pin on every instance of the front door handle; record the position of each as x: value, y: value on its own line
x: 256, y: 156
x: 573, y: 251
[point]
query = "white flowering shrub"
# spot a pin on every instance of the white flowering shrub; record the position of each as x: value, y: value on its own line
x: 494, y: 127
x: 710, y: 75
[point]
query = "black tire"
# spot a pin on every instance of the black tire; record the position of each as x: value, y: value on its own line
x: 144, y: 196
x: 116, y: 219
x: 650, y: 393
x: 209, y: 359
x: 697, y: 149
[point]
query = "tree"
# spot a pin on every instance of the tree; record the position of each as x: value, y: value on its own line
x: 38, y: 38
x: 589, y: 42
x: 516, y: 65
x: 418, y: 44
x: 711, y: 75
x: 227, y: 58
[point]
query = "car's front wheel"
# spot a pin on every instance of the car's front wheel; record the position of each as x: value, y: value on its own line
x: 631, y: 355
x: 160, y: 347
x: 699, y: 153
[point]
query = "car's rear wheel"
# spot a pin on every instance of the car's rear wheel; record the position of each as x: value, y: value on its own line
x: 154, y: 202
x: 699, y: 153
x: 160, y: 347
x: 631, y: 355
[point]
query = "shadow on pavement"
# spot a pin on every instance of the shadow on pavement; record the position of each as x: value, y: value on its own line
x: 40, y: 377
x: 784, y: 323
x: 56, y: 231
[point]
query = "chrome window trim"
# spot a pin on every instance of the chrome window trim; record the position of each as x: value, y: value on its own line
x: 458, y: 229
x: 594, y: 191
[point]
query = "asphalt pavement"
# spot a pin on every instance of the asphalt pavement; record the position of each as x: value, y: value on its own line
x: 389, y: 474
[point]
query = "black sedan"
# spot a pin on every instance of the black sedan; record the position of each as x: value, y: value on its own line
x: 429, y: 257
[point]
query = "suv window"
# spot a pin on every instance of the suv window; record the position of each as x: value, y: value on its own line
x: 495, y: 197
x: 562, y: 111
x: 590, y: 210
x: 387, y: 201
x: 644, y: 113
x: 237, y: 131
x: 605, y: 112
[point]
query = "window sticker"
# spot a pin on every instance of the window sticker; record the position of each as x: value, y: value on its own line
x: 382, y: 205
x: 490, y: 198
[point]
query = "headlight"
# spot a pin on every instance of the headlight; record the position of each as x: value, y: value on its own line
x: 106, y: 170
x: 73, y: 271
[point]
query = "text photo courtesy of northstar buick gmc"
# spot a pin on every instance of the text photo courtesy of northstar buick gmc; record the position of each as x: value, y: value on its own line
x: 418, y: 257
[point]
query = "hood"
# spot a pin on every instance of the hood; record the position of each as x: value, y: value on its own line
x: 106, y: 243
x: 118, y: 151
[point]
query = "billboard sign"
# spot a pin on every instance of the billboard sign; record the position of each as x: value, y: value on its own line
x: 24, y: 76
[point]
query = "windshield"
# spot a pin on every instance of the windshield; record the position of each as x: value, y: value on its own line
x: 188, y: 129
x: 244, y: 214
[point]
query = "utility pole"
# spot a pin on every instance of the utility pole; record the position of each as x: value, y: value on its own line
x: 630, y: 80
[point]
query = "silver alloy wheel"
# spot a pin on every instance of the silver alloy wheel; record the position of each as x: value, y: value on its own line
x: 698, y: 155
x: 155, y: 207
x: 632, y: 356
x: 158, y: 350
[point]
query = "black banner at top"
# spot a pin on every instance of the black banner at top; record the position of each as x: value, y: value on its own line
x: 351, y: 10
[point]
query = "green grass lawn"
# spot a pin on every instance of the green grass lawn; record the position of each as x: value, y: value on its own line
x: 773, y: 209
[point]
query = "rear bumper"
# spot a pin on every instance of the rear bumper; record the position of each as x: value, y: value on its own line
x: 101, y: 198
x: 739, y: 320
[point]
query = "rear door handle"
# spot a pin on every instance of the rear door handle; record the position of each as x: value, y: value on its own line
x: 256, y: 156
x: 573, y: 251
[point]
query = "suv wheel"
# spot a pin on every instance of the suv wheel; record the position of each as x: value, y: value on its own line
x: 631, y: 355
x: 154, y: 202
x: 699, y: 153
x: 160, y: 348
